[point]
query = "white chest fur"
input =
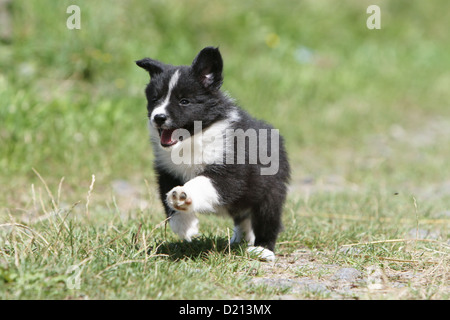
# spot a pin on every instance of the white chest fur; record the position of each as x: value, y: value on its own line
x: 189, y: 157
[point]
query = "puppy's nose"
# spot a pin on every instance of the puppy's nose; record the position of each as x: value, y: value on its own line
x: 160, y: 118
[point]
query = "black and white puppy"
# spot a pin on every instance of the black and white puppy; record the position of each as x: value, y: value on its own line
x: 212, y: 156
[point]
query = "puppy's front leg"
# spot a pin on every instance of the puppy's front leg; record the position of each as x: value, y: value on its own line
x: 197, y: 195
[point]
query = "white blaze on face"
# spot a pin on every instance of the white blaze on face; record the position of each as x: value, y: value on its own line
x: 161, y: 108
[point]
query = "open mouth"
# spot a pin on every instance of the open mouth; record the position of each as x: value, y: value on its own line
x: 166, y: 137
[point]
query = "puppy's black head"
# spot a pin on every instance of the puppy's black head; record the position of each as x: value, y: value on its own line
x: 179, y: 95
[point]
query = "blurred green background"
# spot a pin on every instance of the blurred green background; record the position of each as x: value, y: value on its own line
x: 365, y: 115
x: 370, y: 106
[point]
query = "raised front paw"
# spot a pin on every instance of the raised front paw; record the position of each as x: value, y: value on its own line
x: 179, y: 200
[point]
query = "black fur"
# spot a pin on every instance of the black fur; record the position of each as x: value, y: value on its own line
x: 243, y: 191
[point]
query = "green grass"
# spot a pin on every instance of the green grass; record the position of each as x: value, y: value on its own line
x: 365, y: 114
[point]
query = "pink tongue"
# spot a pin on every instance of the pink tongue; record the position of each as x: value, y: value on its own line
x: 166, y: 137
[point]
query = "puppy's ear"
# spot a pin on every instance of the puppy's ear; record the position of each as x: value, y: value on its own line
x: 207, y: 68
x: 152, y: 66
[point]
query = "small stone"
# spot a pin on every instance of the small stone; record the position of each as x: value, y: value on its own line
x: 347, y: 274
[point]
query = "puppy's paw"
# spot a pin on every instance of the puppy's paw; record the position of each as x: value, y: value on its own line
x: 179, y: 200
x: 263, y: 254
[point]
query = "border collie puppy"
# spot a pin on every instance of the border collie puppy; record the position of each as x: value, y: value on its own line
x: 212, y: 156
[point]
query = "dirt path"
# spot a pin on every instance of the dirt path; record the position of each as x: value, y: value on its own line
x: 301, y: 275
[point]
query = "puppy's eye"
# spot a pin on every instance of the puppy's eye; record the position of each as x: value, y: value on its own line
x: 154, y: 100
x: 184, y: 102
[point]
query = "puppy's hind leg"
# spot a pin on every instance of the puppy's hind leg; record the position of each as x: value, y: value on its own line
x: 243, y: 230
